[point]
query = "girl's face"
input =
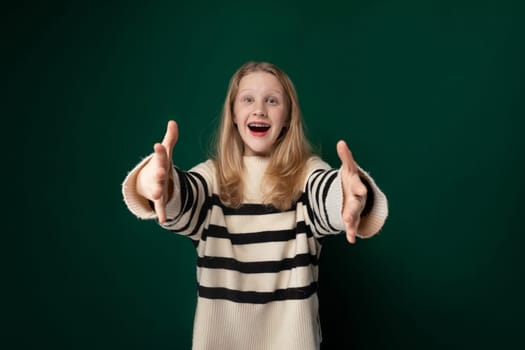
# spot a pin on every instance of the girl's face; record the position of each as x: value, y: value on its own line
x: 259, y: 111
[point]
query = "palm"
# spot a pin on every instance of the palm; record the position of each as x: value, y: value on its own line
x: 354, y: 191
x: 153, y: 180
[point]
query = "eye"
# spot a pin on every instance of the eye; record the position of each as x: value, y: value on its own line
x: 247, y: 99
x: 272, y: 100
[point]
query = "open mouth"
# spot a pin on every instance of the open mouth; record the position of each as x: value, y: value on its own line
x: 258, y: 127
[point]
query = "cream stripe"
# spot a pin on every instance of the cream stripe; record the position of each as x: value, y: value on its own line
x: 269, y: 251
x: 216, y: 216
x: 257, y: 282
x: 287, y: 325
x: 256, y: 223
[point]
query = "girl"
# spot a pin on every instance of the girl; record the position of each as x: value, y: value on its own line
x: 257, y: 214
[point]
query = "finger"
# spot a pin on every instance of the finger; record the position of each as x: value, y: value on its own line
x: 351, y: 234
x: 160, y: 165
x: 359, y: 189
x: 161, y: 173
x: 351, y: 218
x: 171, y: 137
x: 160, y: 210
x: 351, y: 230
x: 161, y: 156
x: 350, y: 237
x: 346, y: 157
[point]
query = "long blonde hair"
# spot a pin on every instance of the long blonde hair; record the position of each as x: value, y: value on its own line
x: 284, y: 176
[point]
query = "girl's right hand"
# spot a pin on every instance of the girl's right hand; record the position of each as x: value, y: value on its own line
x: 153, y: 181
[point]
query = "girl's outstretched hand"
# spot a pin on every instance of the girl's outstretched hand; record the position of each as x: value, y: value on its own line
x: 354, y: 191
x: 153, y: 180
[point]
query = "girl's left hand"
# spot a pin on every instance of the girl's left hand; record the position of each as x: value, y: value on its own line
x: 354, y: 191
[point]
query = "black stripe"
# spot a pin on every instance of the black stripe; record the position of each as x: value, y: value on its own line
x: 311, y: 199
x: 328, y: 183
x: 306, y: 202
x: 187, y: 199
x: 194, y: 179
x: 258, y: 297
x: 305, y: 199
x: 256, y: 237
x: 186, y: 194
x: 211, y: 262
x: 317, y: 171
x: 319, y: 199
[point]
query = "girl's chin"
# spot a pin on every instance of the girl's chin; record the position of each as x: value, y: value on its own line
x: 256, y: 152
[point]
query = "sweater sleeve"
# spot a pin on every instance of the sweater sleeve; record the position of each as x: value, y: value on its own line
x: 138, y: 205
x: 187, y: 208
x: 375, y: 217
x: 324, y: 195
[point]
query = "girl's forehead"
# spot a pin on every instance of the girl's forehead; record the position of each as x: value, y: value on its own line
x: 259, y: 81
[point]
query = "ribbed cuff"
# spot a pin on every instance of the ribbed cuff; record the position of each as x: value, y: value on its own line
x: 136, y: 203
x: 374, y: 220
x: 139, y: 205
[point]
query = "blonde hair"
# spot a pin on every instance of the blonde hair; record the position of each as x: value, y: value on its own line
x: 284, y: 176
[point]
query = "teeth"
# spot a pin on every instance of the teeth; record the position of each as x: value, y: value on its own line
x: 258, y: 125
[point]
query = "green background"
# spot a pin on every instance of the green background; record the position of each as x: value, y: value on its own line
x: 429, y: 96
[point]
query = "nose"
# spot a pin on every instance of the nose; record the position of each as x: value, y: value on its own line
x: 259, y: 110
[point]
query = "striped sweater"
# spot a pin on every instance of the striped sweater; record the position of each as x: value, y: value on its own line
x: 257, y: 267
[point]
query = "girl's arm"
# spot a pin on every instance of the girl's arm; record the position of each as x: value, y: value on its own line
x: 151, y: 180
x: 356, y: 195
x: 155, y: 189
x: 345, y: 199
x: 154, y: 178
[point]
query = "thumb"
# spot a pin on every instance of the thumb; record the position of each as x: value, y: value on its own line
x: 346, y: 157
x: 170, y: 138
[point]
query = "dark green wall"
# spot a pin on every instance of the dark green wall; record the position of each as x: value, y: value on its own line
x: 428, y: 94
